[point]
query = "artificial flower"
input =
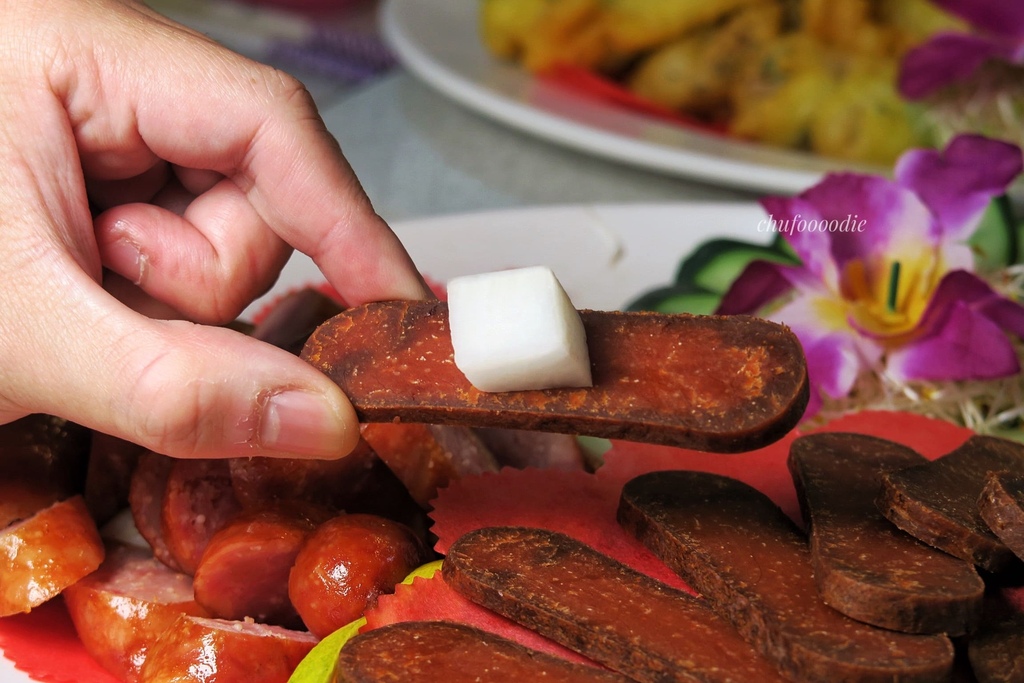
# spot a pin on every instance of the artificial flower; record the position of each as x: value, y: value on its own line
x: 950, y: 57
x: 886, y: 281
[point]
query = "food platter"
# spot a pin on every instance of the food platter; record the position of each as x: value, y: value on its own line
x: 438, y: 41
x: 605, y: 255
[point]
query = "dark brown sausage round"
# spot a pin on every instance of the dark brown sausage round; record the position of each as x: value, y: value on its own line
x: 346, y: 564
x: 120, y: 610
x: 244, y: 570
x: 197, y: 503
x: 221, y: 651
x: 42, y: 555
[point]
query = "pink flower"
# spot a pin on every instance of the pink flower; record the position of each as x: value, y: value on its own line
x: 953, y: 57
x: 886, y: 280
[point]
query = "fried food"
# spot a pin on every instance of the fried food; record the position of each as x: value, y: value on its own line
x: 816, y: 75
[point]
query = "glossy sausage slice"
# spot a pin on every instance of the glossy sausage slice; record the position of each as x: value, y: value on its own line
x: 723, y: 384
x: 937, y: 501
x: 592, y: 604
x: 435, y: 651
x: 121, y: 610
x: 1002, y: 507
x: 200, y: 650
x: 749, y: 560
x: 42, y: 555
x: 864, y: 566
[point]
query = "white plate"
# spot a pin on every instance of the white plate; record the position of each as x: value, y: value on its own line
x: 439, y: 41
x: 604, y: 255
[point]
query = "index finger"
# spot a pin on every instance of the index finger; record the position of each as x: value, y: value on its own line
x: 259, y: 127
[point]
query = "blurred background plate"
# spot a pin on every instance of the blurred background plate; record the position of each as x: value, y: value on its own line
x: 439, y: 41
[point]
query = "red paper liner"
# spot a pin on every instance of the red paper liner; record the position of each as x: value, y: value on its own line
x: 44, y: 645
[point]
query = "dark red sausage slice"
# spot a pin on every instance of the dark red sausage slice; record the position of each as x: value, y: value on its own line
x: 122, y: 609
x: 216, y: 650
x: 995, y: 652
x: 243, y: 572
x: 1002, y: 507
x: 42, y: 555
x: 602, y: 609
x: 864, y: 566
x: 521, y: 449
x: 197, y: 503
x: 438, y: 651
x: 937, y: 502
x: 711, y: 383
x: 146, y: 500
x: 748, y: 559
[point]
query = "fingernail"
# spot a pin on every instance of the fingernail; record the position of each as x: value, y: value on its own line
x: 303, y: 423
x: 125, y: 257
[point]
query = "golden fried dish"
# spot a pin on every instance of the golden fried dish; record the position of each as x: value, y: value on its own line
x: 817, y: 75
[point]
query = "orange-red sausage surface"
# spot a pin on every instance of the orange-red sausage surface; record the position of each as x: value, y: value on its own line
x: 712, y: 383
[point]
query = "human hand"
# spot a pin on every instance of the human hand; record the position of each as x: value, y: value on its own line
x: 151, y: 174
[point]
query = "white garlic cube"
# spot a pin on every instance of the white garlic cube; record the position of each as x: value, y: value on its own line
x: 517, y: 329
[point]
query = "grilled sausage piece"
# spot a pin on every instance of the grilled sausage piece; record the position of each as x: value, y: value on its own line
x: 345, y: 566
x: 244, y: 570
x: 45, y: 553
x: 1002, y: 507
x: 598, y: 607
x: 937, y: 502
x: 863, y: 565
x: 201, y: 650
x: 122, y: 609
x: 750, y: 561
x: 146, y: 500
x: 712, y: 383
x: 995, y: 651
x: 436, y: 651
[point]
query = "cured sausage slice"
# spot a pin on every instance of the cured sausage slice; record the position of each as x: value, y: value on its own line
x: 712, y: 383
x: 434, y: 651
x: 1002, y: 507
x: 48, y: 451
x: 42, y: 555
x: 203, y: 650
x: 146, y: 500
x: 863, y: 565
x: 598, y: 607
x: 749, y: 560
x: 243, y: 572
x: 124, y: 607
x: 995, y: 651
x: 425, y: 457
x: 937, y: 501
x: 346, y: 564
x: 198, y: 502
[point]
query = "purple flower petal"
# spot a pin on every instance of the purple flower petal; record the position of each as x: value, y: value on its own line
x: 968, y: 289
x: 788, y: 215
x: 760, y: 283
x: 945, y: 59
x: 967, y: 346
x: 960, y: 181
x: 999, y: 17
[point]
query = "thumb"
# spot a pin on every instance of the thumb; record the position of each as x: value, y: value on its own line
x: 179, y: 388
